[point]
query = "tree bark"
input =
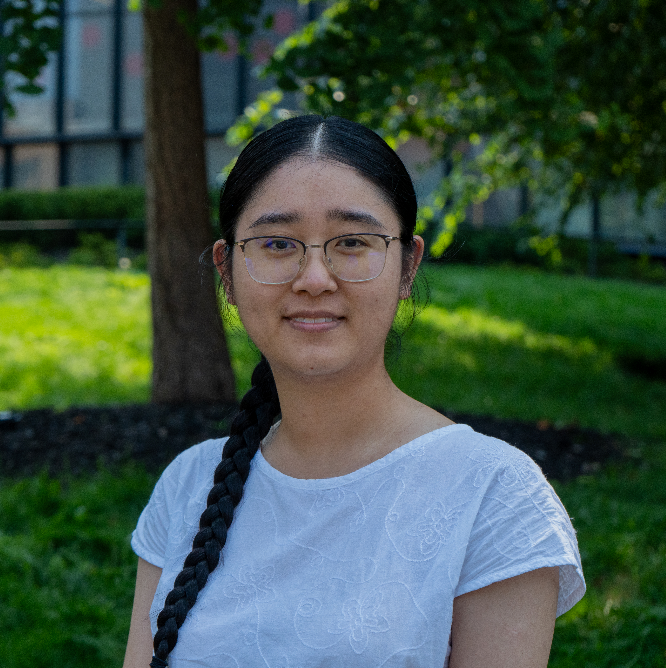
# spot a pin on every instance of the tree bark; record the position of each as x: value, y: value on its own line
x: 190, y: 356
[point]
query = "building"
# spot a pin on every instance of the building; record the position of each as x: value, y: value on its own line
x: 86, y: 127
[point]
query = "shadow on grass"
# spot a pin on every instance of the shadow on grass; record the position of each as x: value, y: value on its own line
x: 465, y: 359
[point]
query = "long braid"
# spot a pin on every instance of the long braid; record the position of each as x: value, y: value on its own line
x: 258, y: 408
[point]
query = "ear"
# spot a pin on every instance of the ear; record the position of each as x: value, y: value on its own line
x: 222, y: 260
x: 410, y: 264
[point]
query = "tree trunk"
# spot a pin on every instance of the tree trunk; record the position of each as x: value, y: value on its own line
x: 190, y: 357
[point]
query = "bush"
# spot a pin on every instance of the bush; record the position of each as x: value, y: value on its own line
x: 21, y: 255
x: 524, y: 244
x: 94, y: 250
x: 73, y: 203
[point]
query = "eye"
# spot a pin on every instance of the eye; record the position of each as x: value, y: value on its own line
x: 349, y: 244
x: 278, y: 245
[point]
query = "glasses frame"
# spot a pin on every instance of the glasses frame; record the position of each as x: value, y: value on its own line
x: 303, y: 261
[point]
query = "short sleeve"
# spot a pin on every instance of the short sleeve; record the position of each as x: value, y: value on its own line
x: 149, y: 539
x: 520, y: 526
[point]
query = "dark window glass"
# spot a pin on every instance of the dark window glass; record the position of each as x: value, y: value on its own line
x: 136, y: 167
x: 88, y: 48
x: 94, y: 164
x: 287, y: 17
x: 35, y: 166
x: 220, y: 87
x: 88, y: 6
x: 132, y: 72
x: 218, y: 155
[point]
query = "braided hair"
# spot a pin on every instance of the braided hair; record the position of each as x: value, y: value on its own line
x: 334, y: 139
x: 258, y: 409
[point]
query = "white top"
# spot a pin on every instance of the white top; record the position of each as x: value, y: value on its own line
x: 359, y: 570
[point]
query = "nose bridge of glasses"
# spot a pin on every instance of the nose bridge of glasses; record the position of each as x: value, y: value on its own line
x: 304, y: 260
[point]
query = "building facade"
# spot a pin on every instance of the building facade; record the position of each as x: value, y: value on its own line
x: 86, y: 128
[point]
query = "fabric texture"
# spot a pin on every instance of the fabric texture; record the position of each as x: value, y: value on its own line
x: 359, y: 570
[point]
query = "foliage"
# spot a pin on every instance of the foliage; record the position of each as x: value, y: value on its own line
x: 67, y: 575
x: 566, y: 95
x: 613, y: 89
x: 524, y: 244
x: 29, y: 30
x: 94, y: 250
x: 73, y: 203
x: 515, y: 343
x: 620, y: 519
x: 22, y: 255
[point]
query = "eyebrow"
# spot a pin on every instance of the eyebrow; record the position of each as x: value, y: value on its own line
x: 351, y: 216
x: 275, y: 218
x: 341, y: 215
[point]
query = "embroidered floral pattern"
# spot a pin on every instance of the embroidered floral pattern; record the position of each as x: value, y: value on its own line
x: 512, y: 468
x: 251, y: 586
x: 436, y: 528
x: 360, y: 619
x: 327, y: 498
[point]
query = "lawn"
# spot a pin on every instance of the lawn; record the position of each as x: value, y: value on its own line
x: 507, y: 342
x: 512, y: 343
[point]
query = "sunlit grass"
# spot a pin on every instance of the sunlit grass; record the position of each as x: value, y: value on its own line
x: 71, y: 335
x: 532, y: 346
x: 512, y: 343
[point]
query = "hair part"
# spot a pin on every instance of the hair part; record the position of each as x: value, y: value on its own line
x: 333, y: 139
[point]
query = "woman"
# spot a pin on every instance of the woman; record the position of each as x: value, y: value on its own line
x: 363, y: 528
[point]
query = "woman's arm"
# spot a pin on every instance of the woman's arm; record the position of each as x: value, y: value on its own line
x: 140, y: 642
x: 508, y: 624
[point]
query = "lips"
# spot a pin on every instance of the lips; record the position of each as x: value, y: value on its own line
x: 314, y: 321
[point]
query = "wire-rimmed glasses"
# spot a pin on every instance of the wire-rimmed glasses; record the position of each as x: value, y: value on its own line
x: 351, y: 257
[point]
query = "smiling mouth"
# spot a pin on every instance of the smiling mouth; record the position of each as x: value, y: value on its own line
x: 314, y: 321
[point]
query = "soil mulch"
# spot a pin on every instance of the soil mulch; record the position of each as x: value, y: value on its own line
x: 79, y: 440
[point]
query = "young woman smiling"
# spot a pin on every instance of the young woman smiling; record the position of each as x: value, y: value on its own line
x: 362, y: 528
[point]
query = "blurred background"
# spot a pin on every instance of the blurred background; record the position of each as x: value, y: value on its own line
x: 535, y: 132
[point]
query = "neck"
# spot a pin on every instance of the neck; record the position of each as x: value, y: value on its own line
x: 335, y: 424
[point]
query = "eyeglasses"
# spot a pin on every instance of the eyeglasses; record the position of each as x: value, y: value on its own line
x: 351, y: 257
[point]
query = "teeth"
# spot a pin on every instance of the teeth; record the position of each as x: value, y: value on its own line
x: 313, y: 321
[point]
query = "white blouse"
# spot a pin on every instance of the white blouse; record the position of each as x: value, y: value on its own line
x: 359, y: 570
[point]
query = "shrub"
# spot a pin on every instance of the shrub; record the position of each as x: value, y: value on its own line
x: 73, y: 203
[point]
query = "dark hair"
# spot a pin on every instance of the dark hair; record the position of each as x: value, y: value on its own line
x: 334, y: 139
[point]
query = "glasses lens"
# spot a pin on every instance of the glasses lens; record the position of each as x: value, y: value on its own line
x: 273, y: 260
x: 357, y: 257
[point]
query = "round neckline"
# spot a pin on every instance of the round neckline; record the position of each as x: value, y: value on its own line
x: 262, y: 464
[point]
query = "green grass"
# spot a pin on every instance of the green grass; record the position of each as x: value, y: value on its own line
x: 620, y: 517
x: 512, y: 343
x: 529, y: 345
x: 71, y: 335
x: 67, y: 573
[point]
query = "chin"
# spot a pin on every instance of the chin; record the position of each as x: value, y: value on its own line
x: 317, y: 364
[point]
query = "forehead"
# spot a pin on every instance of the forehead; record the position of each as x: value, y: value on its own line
x: 310, y: 192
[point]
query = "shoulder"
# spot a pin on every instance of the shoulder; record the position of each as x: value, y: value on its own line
x: 476, y: 457
x: 194, y: 465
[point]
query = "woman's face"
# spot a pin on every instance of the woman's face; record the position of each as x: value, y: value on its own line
x: 313, y: 201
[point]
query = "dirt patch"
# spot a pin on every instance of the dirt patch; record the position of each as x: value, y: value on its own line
x: 79, y: 440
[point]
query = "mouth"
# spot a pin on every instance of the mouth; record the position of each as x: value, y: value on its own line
x: 314, y: 322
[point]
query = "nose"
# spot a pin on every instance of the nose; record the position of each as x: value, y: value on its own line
x: 315, y: 277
